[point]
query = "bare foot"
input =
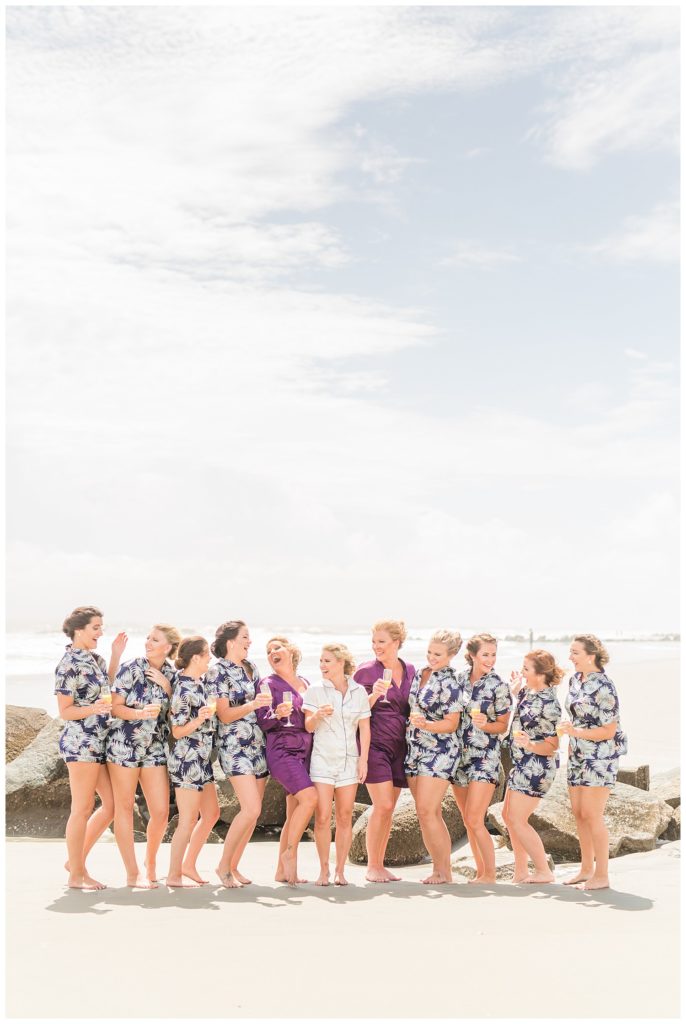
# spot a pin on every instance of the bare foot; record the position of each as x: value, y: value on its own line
x: 377, y: 875
x: 85, y: 882
x: 177, y: 882
x: 192, y: 873
x: 435, y: 878
x: 540, y: 878
x: 241, y: 878
x: 139, y: 881
x: 390, y: 876
x: 339, y: 878
x: 324, y: 878
x: 151, y: 872
x: 579, y: 877
x: 290, y: 869
x: 594, y: 883
x: 482, y: 880
x: 228, y: 880
x: 518, y: 879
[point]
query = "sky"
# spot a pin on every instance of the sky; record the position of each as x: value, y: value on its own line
x: 321, y: 315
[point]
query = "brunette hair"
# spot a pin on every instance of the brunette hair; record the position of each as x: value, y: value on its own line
x: 188, y: 648
x: 79, y: 619
x: 592, y: 645
x: 295, y: 652
x: 172, y: 634
x: 395, y: 628
x: 341, y: 653
x: 545, y: 665
x: 453, y: 641
x: 227, y: 631
x: 475, y: 643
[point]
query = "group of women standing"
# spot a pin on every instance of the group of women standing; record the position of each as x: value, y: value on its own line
x: 386, y: 725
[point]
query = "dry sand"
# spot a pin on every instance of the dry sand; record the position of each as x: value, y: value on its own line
x: 402, y: 950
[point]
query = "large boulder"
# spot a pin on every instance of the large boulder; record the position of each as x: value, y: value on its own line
x: 673, y: 830
x: 667, y: 786
x: 273, y: 803
x: 637, y: 775
x: 22, y: 725
x: 635, y: 820
x: 405, y: 845
x: 37, y: 796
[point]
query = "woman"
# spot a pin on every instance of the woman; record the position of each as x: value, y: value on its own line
x: 487, y: 703
x: 595, y: 746
x: 433, y: 747
x: 288, y: 751
x: 387, y: 749
x: 534, y: 761
x: 240, y: 742
x: 190, y: 768
x: 136, y: 748
x: 334, y: 712
x: 81, y: 681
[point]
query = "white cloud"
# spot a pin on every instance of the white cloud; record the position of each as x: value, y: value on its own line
x: 651, y: 238
x: 474, y: 255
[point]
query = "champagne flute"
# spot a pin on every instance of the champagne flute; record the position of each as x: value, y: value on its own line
x: 415, y: 712
x: 266, y: 692
x: 288, y: 699
x: 387, y: 679
x: 106, y: 695
x: 211, y: 698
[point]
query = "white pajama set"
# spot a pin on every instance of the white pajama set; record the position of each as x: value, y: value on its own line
x: 335, y: 753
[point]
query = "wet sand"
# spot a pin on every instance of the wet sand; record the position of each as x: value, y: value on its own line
x: 502, y: 951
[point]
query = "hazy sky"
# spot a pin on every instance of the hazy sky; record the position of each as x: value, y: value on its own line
x: 317, y: 315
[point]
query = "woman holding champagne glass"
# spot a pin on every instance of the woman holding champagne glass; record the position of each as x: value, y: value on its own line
x: 334, y: 712
x: 487, y: 710
x: 240, y: 742
x: 288, y: 750
x: 534, y: 761
x: 190, y: 769
x: 596, y: 742
x: 433, y: 746
x: 82, y: 687
x: 137, y: 748
x: 387, y: 680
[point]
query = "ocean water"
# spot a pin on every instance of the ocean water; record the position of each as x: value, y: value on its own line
x: 645, y: 671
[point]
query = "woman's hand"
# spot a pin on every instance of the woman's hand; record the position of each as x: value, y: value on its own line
x: 262, y: 700
x: 101, y: 707
x: 516, y: 682
x: 522, y: 740
x: 362, y: 769
x: 566, y: 729
x: 119, y: 643
x: 155, y: 676
x: 150, y: 711
x: 480, y: 720
x: 283, y: 710
x: 418, y: 721
x: 324, y: 711
x: 379, y: 689
x: 204, y: 713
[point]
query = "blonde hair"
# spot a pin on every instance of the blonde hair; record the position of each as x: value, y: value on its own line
x: 592, y: 645
x: 475, y: 643
x: 394, y: 627
x: 545, y: 665
x: 172, y: 634
x: 341, y: 653
x: 295, y: 652
x: 453, y: 641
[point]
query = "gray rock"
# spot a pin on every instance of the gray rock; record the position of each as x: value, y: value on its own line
x: 638, y: 776
x: 37, y: 795
x: 405, y: 844
x: 273, y: 803
x: 667, y: 786
x: 673, y: 830
x: 635, y: 819
x: 22, y: 725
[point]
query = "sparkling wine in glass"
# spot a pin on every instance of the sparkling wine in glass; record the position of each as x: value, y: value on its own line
x: 106, y: 695
x: 265, y: 691
x: 387, y: 679
x: 288, y: 699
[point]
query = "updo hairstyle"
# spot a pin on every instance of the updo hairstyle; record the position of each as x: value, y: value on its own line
x: 79, y: 619
x: 545, y: 665
x: 224, y: 633
x: 188, y: 648
x: 395, y: 628
x: 453, y: 641
x: 592, y: 645
x: 341, y: 653
x: 475, y: 643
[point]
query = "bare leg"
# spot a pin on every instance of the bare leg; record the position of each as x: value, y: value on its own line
x: 521, y: 808
x: 322, y: 829
x: 345, y: 798
x: 124, y: 785
x: 585, y: 838
x: 242, y: 827
x: 429, y: 793
x: 261, y: 785
x: 460, y: 794
x: 521, y: 858
x: 478, y: 798
x: 188, y: 804
x: 384, y: 798
x: 280, y: 876
x: 593, y: 802
x: 83, y: 779
x: 155, y: 786
x: 101, y: 818
x: 306, y: 804
x: 209, y: 816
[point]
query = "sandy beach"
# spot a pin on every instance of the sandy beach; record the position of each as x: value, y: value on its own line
x: 607, y: 954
